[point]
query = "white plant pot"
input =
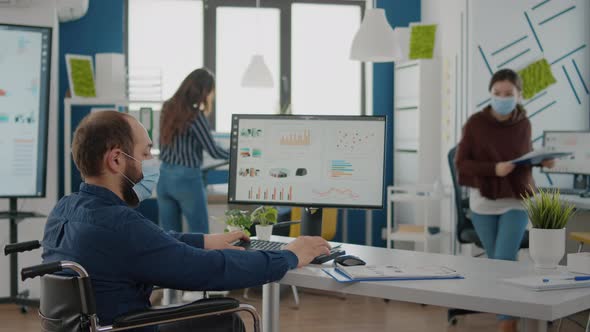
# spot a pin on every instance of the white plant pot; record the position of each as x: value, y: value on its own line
x: 264, y: 232
x: 547, y: 247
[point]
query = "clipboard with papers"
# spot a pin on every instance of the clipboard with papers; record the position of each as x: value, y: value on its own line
x: 537, y: 156
x: 347, y: 274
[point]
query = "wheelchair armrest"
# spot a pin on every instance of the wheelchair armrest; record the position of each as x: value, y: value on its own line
x: 157, y: 315
x: 21, y: 247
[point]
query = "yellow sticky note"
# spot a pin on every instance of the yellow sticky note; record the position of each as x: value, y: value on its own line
x: 82, y: 78
x: 422, y: 39
x: 536, y: 77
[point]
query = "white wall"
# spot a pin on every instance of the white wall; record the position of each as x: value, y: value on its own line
x: 559, y: 109
x: 40, y: 13
x: 448, y: 18
x: 460, y: 32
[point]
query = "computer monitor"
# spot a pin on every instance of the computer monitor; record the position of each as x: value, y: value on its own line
x: 307, y: 161
x: 25, y: 66
x: 576, y: 142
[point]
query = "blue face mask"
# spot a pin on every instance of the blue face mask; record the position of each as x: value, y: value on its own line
x: 151, y: 173
x: 503, y: 106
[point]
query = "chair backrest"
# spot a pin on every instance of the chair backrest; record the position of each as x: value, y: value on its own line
x: 461, y: 203
x: 329, y: 223
x: 62, y: 304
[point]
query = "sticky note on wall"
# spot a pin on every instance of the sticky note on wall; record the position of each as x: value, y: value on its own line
x: 82, y: 77
x: 422, y: 40
x: 536, y: 77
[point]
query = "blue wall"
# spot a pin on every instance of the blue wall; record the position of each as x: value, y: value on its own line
x: 100, y: 31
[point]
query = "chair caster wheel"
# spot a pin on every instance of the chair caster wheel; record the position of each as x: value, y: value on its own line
x: 24, y: 310
x: 453, y: 322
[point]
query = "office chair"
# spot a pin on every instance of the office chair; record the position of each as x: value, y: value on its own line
x: 466, y: 233
x: 67, y: 303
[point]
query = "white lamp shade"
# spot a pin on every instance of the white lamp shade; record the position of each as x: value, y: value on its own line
x: 375, y: 40
x: 257, y: 74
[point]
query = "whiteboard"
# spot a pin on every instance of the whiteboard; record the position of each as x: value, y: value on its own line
x: 513, y: 34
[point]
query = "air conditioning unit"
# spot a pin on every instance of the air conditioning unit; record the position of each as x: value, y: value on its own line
x: 15, y: 3
x: 71, y: 10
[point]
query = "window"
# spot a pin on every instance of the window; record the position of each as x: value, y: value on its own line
x: 323, y: 78
x: 241, y: 33
x: 305, y: 44
x: 165, y: 43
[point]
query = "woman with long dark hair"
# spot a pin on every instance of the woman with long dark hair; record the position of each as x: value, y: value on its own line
x: 184, y: 134
x: 491, y: 138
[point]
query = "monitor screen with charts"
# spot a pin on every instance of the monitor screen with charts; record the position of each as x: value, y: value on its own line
x: 310, y: 161
x: 576, y: 142
x: 25, y: 65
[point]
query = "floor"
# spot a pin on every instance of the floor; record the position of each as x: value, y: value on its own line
x: 331, y: 313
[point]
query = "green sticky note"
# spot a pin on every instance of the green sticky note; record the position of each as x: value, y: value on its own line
x: 82, y: 78
x: 422, y: 39
x: 536, y: 77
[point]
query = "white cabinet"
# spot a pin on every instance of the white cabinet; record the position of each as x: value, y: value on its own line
x: 416, y: 121
x: 423, y: 199
x: 416, y: 149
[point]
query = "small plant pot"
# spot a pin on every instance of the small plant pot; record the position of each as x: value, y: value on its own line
x: 547, y: 247
x: 264, y: 232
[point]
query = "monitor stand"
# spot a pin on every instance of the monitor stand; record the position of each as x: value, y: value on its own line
x: 311, y: 221
x: 581, y: 181
x: 14, y: 217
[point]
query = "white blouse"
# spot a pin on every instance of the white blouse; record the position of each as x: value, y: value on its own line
x: 482, y: 205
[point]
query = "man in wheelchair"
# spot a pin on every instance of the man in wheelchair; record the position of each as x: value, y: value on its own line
x: 125, y: 253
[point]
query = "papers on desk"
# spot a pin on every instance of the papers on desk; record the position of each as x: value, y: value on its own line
x: 549, y: 282
x: 389, y: 273
x: 537, y: 156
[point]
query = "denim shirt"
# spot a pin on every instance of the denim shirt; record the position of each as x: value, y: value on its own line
x: 126, y: 254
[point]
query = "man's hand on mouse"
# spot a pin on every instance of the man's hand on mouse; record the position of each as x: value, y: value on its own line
x: 225, y: 240
x: 306, y: 248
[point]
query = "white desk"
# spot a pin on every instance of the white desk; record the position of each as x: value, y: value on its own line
x: 481, y: 290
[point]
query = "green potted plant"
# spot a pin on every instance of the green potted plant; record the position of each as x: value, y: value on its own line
x: 264, y: 217
x: 549, y: 216
x: 238, y: 220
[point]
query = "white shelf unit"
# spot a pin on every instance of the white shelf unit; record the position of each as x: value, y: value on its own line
x: 416, y: 147
x: 425, y: 199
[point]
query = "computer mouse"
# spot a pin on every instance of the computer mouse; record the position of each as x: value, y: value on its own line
x: 349, y: 260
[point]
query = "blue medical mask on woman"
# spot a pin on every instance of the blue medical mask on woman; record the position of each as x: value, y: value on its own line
x: 151, y: 173
x: 503, y: 105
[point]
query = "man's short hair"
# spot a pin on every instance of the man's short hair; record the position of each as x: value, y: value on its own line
x: 97, y: 134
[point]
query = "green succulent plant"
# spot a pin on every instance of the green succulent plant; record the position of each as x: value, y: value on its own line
x: 265, y: 215
x: 238, y: 218
x: 546, y: 210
